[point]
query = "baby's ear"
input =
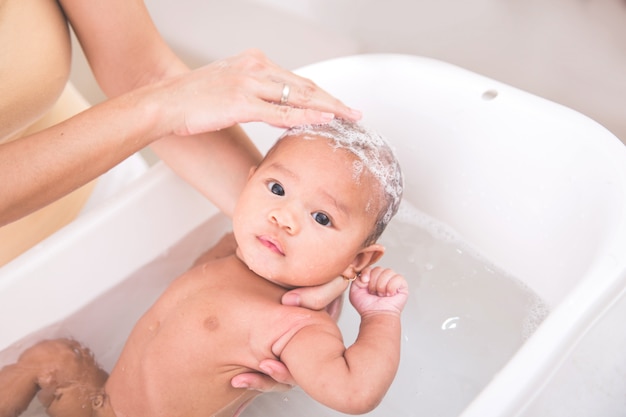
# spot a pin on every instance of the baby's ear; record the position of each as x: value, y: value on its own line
x: 366, y: 257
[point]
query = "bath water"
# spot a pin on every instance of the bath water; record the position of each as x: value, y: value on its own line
x: 464, y: 319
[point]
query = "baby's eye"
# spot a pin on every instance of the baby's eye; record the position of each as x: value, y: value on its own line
x: 321, y: 218
x: 276, y: 188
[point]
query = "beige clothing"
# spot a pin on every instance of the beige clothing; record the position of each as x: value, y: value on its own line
x: 35, y: 60
x: 19, y: 236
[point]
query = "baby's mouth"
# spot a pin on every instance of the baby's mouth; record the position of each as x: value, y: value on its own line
x: 271, y: 244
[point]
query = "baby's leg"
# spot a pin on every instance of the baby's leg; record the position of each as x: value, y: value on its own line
x: 68, y: 380
x: 18, y: 387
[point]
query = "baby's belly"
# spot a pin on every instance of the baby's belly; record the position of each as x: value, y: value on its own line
x: 166, y: 394
x: 168, y: 370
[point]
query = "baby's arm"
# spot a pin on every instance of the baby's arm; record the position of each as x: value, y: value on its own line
x: 353, y: 380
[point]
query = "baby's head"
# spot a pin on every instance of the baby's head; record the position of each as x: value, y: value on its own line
x: 373, y: 154
x: 314, y: 207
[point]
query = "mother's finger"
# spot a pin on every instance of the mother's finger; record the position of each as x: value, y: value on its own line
x: 287, y: 116
x: 318, y: 297
x: 298, y: 92
x: 281, y: 86
x: 258, y: 382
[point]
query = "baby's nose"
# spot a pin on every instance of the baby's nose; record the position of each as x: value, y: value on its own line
x: 285, y: 219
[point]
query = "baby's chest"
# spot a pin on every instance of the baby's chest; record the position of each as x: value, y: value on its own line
x: 251, y: 329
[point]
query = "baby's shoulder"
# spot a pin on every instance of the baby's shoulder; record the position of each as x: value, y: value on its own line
x: 292, y: 320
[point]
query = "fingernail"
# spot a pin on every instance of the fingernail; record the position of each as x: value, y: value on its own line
x: 291, y: 299
x: 240, y: 385
x: 355, y: 114
x: 327, y: 117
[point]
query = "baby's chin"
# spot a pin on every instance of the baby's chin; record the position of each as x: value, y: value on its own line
x: 273, y: 278
x: 260, y: 268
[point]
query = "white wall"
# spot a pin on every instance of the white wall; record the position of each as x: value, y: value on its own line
x: 569, y: 51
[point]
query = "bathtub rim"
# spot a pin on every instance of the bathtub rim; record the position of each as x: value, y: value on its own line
x: 39, y: 267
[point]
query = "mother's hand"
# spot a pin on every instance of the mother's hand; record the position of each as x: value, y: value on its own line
x: 276, y: 378
x: 328, y: 296
x: 245, y: 88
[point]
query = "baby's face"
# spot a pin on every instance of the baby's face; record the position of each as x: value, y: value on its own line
x: 304, y: 214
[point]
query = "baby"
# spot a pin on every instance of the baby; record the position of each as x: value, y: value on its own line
x: 312, y: 210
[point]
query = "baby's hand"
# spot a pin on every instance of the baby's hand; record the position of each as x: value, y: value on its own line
x: 379, y: 289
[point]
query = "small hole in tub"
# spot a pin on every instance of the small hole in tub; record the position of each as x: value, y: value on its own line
x: 490, y: 95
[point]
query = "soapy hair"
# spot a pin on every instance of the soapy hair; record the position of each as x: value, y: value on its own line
x: 372, y: 152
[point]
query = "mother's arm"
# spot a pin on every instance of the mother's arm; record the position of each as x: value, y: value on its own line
x: 155, y: 99
x: 125, y: 51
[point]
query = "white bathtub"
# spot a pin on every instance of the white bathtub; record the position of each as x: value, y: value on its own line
x: 538, y: 189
